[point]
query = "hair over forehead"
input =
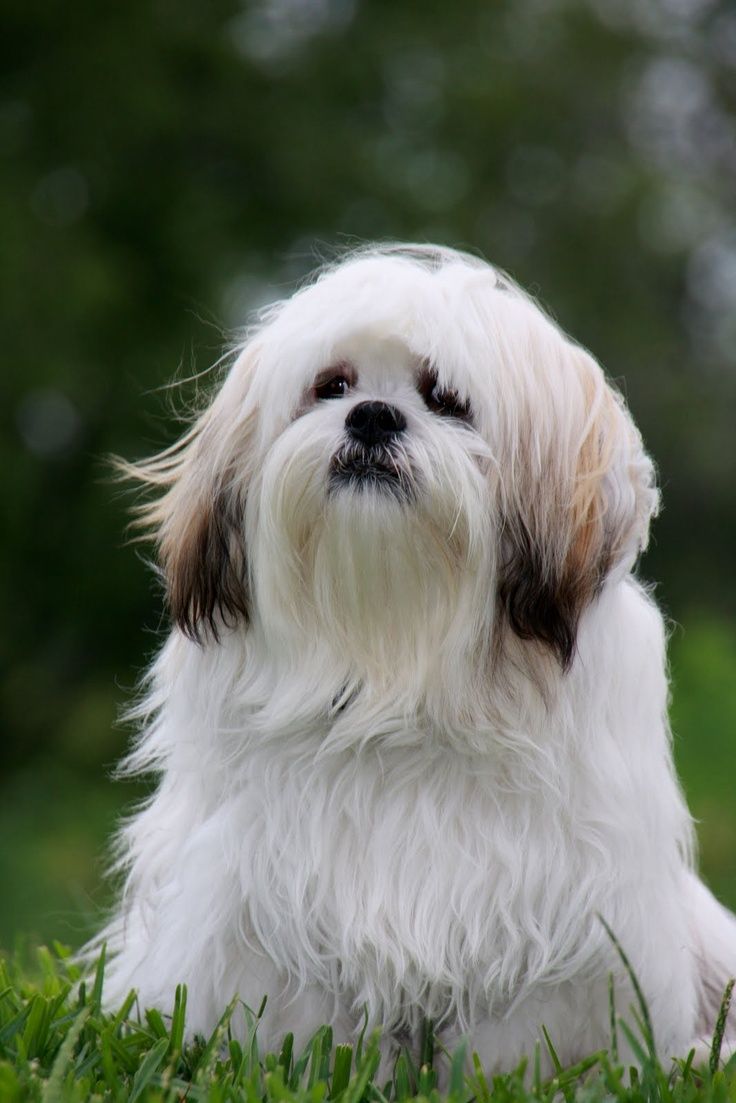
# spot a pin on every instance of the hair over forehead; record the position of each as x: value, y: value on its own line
x: 470, y: 320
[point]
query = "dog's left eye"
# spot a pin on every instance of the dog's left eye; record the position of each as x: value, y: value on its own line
x: 443, y: 401
x: 334, y: 387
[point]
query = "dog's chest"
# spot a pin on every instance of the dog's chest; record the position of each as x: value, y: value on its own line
x: 417, y: 876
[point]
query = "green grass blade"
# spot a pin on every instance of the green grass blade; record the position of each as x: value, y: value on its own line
x: 640, y: 1054
x: 720, y: 1030
x: 537, y: 1077
x: 125, y: 1010
x: 556, y: 1063
x: 426, y: 1043
x: 483, y: 1090
x: 286, y: 1056
x: 365, y: 1071
x: 149, y: 1066
x: 53, y: 1088
x: 341, y: 1070
x: 612, y: 1018
x: 208, y: 1055
x: 299, y: 1068
x: 647, y: 1028
x: 361, y: 1036
x: 109, y: 1069
x: 456, y: 1082
x: 320, y: 1056
x: 427, y: 1080
x: 36, y: 1026
x: 156, y: 1023
x: 95, y: 1000
x: 402, y: 1078
x: 178, y: 1019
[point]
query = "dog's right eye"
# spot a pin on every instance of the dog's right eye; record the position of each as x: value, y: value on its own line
x: 335, y: 387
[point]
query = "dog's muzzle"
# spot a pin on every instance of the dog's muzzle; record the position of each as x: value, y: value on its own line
x: 369, y: 457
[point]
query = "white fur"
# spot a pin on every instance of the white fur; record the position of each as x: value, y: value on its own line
x: 374, y: 790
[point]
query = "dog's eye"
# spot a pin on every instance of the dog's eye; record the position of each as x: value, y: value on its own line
x: 334, y: 387
x: 442, y: 401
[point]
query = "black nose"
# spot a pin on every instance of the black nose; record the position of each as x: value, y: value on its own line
x: 375, y: 422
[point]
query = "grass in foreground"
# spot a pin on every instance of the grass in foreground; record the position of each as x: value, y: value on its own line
x: 56, y: 1044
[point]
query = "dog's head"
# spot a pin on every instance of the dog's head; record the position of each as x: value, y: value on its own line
x: 407, y: 457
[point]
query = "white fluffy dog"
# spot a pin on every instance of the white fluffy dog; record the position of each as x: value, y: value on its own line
x: 410, y: 723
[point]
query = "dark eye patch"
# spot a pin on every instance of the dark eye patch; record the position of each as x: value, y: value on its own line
x: 443, y: 401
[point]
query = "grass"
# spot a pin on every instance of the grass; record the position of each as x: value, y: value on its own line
x: 58, y: 1045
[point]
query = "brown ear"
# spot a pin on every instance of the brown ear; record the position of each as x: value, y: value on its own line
x: 203, y: 559
x: 540, y: 603
x: 579, y: 508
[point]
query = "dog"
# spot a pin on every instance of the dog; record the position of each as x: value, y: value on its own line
x: 410, y: 723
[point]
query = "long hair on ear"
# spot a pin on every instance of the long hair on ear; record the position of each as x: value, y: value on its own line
x: 578, y: 497
x: 196, y: 515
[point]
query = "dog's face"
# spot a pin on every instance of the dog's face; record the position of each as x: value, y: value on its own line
x: 408, y: 458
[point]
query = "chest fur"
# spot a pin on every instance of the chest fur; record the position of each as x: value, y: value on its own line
x: 409, y: 881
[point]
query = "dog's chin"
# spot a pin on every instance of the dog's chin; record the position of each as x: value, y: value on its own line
x: 370, y: 471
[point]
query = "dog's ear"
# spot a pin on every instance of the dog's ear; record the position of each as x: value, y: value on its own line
x: 198, y: 518
x: 202, y: 551
x: 577, y: 501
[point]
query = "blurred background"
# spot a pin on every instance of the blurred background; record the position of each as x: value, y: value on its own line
x: 167, y: 165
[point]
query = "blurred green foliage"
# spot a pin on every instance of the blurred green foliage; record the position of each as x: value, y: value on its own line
x: 167, y: 166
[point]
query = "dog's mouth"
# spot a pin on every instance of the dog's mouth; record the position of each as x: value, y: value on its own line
x: 357, y: 467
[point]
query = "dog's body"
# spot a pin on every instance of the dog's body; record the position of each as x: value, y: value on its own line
x: 411, y: 724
